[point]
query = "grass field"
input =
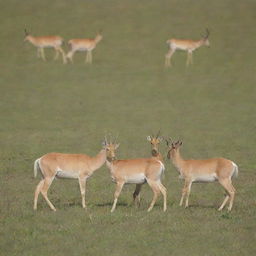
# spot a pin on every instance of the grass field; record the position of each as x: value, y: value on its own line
x: 48, y: 106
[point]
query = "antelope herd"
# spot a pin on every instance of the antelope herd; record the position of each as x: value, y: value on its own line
x: 136, y: 171
x: 88, y: 45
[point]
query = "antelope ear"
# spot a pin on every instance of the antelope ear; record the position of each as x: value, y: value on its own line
x: 149, y: 138
x: 117, y: 145
x: 104, y: 144
x: 180, y: 143
x: 161, y: 138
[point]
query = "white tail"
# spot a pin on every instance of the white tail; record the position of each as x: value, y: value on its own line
x: 207, y: 170
x: 36, y: 167
x: 72, y: 166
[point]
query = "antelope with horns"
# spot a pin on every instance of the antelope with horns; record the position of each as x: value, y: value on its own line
x: 72, y: 166
x: 155, y: 141
x: 46, y: 42
x: 85, y: 44
x: 185, y: 45
x: 208, y: 170
x: 135, y: 171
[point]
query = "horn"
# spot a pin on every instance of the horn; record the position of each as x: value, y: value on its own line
x: 207, y: 33
x: 26, y: 32
x: 158, y: 134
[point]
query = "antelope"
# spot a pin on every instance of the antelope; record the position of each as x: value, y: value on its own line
x: 207, y: 170
x: 185, y: 45
x: 46, y: 42
x: 83, y: 45
x: 135, y: 171
x: 155, y: 141
x: 71, y: 166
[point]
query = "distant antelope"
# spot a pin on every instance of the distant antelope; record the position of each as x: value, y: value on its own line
x: 71, y: 166
x: 185, y: 45
x: 46, y: 42
x: 83, y: 45
x: 135, y: 171
x: 208, y: 170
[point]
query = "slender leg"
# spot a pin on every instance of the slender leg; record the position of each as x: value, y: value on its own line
x: 70, y: 56
x: 230, y: 191
x: 37, y: 191
x: 224, y: 202
x: 90, y: 57
x: 38, y: 52
x: 42, y: 54
x: 156, y: 190
x: 191, y: 58
x: 87, y: 57
x: 168, y: 58
x: 63, y: 55
x: 119, y: 187
x: 188, y: 193
x: 82, y: 184
x: 44, y: 189
x: 187, y: 63
x: 56, y: 53
x: 136, y: 195
x: 163, y: 191
x: 184, y: 191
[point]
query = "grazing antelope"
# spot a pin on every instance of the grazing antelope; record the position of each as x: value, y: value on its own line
x: 46, y: 42
x: 208, y: 170
x: 83, y: 45
x: 72, y: 166
x: 135, y: 171
x: 185, y: 45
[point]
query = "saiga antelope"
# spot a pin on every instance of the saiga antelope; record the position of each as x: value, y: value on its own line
x: 72, y: 166
x: 46, y: 42
x: 208, y: 170
x: 83, y: 45
x: 185, y: 45
x: 135, y: 171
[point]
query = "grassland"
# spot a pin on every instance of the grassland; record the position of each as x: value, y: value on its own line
x: 49, y: 107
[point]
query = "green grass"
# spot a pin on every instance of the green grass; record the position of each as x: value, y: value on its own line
x: 49, y: 107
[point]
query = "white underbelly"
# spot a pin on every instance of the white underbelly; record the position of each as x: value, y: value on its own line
x: 67, y: 174
x: 138, y: 178
x: 205, y: 178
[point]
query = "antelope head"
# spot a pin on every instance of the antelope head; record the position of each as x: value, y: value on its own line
x: 155, y: 141
x: 110, y: 148
x: 172, y: 147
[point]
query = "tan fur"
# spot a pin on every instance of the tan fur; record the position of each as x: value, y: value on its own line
x: 137, y: 171
x: 78, y: 166
x: 83, y: 45
x: 42, y: 42
x: 208, y: 170
x: 184, y: 45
